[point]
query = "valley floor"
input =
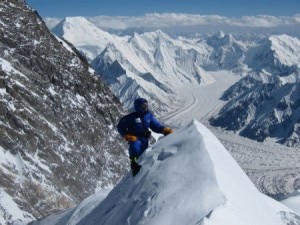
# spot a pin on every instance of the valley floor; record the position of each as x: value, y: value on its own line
x: 273, y: 168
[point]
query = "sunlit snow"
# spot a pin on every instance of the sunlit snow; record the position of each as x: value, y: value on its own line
x: 187, y: 177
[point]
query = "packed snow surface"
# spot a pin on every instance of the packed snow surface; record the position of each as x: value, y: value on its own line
x: 293, y: 201
x: 187, y: 177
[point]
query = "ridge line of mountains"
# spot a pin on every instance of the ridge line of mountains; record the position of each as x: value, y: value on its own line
x: 265, y: 102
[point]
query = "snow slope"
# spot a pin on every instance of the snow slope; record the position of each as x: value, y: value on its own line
x: 293, y: 201
x: 187, y: 177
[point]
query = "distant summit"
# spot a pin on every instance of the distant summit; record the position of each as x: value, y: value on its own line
x: 87, y: 38
x: 266, y: 103
x: 155, y: 64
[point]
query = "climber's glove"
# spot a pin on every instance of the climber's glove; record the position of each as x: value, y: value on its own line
x: 130, y: 137
x: 167, y: 131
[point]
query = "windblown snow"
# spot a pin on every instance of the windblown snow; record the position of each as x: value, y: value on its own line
x: 187, y: 177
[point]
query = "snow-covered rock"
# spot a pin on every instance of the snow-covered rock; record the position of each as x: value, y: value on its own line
x: 187, y: 177
x: 57, y: 138
x: 277, y: 54
x: 228, y: 53
x: 266, y: 103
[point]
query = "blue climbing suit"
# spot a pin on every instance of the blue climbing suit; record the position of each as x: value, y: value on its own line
x: 138, y: 124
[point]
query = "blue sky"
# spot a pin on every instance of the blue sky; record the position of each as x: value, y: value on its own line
x: 228, y: 8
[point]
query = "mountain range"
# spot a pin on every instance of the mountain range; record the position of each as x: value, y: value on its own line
x: 266, y: 103
x: 155, y: 64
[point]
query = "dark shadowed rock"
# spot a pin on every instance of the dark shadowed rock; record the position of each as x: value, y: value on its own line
x: 57, y: 118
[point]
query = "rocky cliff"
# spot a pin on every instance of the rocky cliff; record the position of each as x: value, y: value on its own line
x: 57, y: 119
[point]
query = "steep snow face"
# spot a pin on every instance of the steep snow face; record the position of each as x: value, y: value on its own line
x: 187, y: 177
x: 228, y: 53
x: 154, y: 64
x: 278, y: 55
x: 266, y: 102
x: 286, y: 49
x: 158, y: 65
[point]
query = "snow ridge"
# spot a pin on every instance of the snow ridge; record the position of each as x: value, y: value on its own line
x: 187, y: 177
x: 166, y: 192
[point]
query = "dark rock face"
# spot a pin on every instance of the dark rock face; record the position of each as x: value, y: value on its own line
x: 265, y: 103
x: 57, y: 118
x: 259, y: 110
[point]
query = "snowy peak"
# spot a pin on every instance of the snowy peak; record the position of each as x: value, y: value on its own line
x: 158, y: 194
x: 228, y: 53
x: 265, y: 104
x: 278, y: 54
x: 158, y: 66
x: 157, y: 63
x: 220, y: 39
x: 286, y: 49
x: 187, y: 177
x: 88, y: 38
x: 80, y: 26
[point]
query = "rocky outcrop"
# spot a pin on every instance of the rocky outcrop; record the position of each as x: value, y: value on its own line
x: 57, y: 120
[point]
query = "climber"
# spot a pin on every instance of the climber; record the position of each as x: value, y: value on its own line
x: 134, y: 128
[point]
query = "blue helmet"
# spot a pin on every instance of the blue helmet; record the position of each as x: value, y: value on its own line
x: 141, y: 105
